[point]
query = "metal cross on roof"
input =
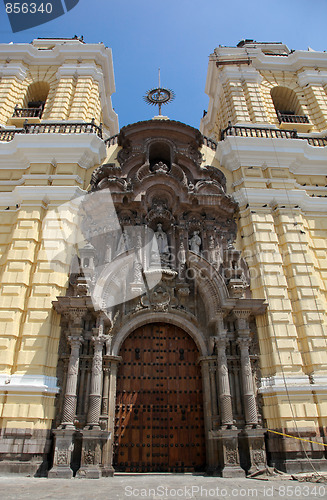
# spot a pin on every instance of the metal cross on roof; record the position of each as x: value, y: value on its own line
x: 159, y: 96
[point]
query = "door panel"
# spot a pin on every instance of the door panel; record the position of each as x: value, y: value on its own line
x: 159, y: 414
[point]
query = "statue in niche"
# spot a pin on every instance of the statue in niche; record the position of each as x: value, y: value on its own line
x: 162, y: 240
x: 160, y: 167
x: 195, y: 242
x: 124, y: 243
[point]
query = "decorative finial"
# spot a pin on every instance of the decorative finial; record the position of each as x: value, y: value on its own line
x: 159, y: 96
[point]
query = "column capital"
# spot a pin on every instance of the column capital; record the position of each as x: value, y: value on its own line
x: 242, y: 320
x: 75, y: 315
x: 242, y: 313
x: 221, y: 340
x: 75, y: 340
x: 220, y: 327
x: 244, y: 342
x: 98, y: 341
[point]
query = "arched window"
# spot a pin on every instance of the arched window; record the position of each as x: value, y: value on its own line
x: 287, y: 106
x: 34, y: 101
x: 159, y: 152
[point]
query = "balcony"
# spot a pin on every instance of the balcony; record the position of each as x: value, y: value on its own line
x: 52, y: 128
x: 270, y: 133
x: 26, y: 115
x: 300, y: 123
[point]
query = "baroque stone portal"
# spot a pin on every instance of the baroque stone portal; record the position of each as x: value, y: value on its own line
x: 175, y: 263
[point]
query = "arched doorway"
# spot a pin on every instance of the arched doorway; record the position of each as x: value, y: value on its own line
x: 159, y: 406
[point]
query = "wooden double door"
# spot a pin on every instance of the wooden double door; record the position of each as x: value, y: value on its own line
x: 159, y: 405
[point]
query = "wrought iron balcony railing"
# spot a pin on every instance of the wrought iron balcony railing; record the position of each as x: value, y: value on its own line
x: 270, y: 133
x: 290, y: 118
x: 28, y: 112
x: 52, y: 128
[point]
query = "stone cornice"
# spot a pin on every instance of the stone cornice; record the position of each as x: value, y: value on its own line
x: 292, y: 385
x: 22, y: 383
x: 48, y: 194
x: 295, y: 154
x: 87, y: 150
x: 285, y: 197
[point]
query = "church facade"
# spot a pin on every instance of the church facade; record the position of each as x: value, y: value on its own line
x: 163, y: 290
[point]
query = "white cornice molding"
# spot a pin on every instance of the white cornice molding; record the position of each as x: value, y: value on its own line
x: 36, y: 384
x: 45, y: 194
x: 16, y: 70
x: 292, y: 385
x: 287, y: 197
x: 294, y: 61
x: 295, y: 154
x: 247, y: 74
x: 87, y: 150
x: 312, y: 77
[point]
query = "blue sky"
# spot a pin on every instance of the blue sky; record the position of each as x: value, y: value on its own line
x: 178, y: 37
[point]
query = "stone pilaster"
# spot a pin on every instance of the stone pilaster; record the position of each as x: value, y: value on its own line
x: 211, y: 446
x: 112, y: 362
x: 63, y: 454
x: 257, y: 450
x: 92, y: 448
x: 228, y: 440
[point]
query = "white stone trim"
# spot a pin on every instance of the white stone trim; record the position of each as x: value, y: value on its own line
x: 246, y: 74
x: 280, y: 196
x: 35, y: 177
x: 28, y: 383
x: 291, y: 62
x: 87, y: 150
x: 15, y: 70
x: 47, y: 194
x: 295, y: 154
x: 312, y: 77
x: 294, y: 385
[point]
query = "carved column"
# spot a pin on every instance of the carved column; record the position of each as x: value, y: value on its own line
x: 228, y: 433
x: 254, y: 436
x: 105, y: 395
x: 250, y: 407
x: 225, y: 398
x: 69, y: 407
x: 94, y: 410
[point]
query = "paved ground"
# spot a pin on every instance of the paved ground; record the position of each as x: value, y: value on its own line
x: 157, y: 487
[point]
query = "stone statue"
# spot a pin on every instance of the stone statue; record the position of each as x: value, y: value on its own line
x: 124, y: 243
x: 162, y: 240
x: 195, y: 242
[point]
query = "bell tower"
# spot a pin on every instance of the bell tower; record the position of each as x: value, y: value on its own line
x: 55, y: 113
x: 268, y: 109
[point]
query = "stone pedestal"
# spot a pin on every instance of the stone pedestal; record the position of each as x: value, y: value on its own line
x: 257, y: 450
x: 91, y: 460
x: 63, y: 454
x: 228, y: 440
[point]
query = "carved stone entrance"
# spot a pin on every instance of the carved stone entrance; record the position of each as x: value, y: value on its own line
x: 159, y: 423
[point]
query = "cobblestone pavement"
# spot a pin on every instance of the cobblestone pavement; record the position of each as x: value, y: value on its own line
x: 157, y: 487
